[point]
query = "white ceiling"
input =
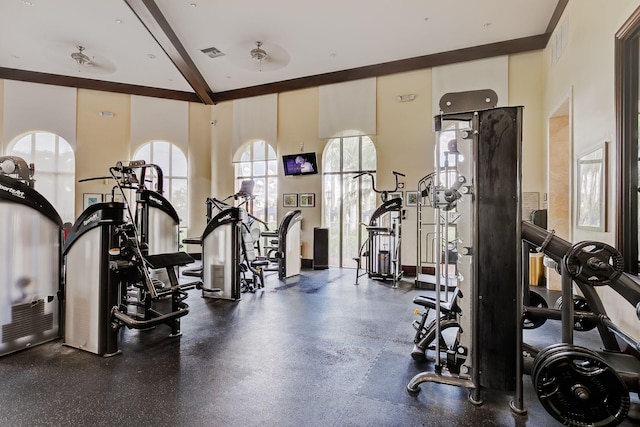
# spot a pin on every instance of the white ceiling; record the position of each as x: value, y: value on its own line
x: 303, y: 38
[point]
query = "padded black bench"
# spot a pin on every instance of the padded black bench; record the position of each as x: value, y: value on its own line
x: 445, y: 306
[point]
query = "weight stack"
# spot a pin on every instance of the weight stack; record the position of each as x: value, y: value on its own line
x: 497, y: 146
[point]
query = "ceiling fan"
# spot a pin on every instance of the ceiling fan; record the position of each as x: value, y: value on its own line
x: 94, y: 64
x: 258, y: 56
x: 81, y: 59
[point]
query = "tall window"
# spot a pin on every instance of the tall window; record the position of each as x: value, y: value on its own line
x: 55, y: 168
x: 348, y: 202
x: 173, y: 163
x: 258, y: 162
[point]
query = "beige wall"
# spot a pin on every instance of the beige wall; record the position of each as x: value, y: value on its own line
x: 199, y: 161
x: 298, y: 124
x: 101, y: 141
x: 584, y: 73
x: 221, y: 137
x: 405, y: 142
x: 526, y: 89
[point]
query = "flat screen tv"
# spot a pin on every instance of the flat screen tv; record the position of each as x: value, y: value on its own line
x: 300, y: 164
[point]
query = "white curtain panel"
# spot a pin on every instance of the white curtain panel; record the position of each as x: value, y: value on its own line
x: 255, y: 118
x: 490, y: 73
x: 156, y: 119
x: 32, y: 107
x: 347, y: 106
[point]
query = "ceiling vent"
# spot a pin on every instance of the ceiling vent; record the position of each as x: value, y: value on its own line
x: 212, y: 52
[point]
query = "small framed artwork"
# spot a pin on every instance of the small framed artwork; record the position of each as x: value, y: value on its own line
x: 89, y: 199
x: 307, y: 200
x: 290, y: 200
x: 412, y: 198
x: 591, y: 194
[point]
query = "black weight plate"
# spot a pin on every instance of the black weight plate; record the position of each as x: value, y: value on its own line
x: 579, y: 304
x: 594, y: 263
x: 546, y: 353
x: 582, y: 324
x: 579, y: 388
x: 529, y: 320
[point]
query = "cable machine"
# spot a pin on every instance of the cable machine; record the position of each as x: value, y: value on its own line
x: 475, y: 192
x: 382, y: 246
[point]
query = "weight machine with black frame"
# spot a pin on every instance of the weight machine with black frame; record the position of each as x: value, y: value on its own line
x: 478, y: 177
x: 382, y: 247
x: 230, y: 265
x: 157, y: 221
x: 475, y: 344
x: 107, y: 276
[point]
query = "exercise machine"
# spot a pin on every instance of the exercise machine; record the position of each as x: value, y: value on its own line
x: 485, y: 351
x: 155, y: 217
x: 578, y: 385
x: 382, y: 247
x: 108, y: 282
x: 284, y: 245
x: 30, y: 262
x: 475, y: 191
x: 230, y: 265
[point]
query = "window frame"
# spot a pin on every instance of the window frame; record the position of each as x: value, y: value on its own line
x: 269, y: 155
x: 168, y: 176
x: 56, y: 173
x: 346, y: 173
x: 627, y: 86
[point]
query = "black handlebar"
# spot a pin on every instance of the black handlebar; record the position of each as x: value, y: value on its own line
x: 373, y: 182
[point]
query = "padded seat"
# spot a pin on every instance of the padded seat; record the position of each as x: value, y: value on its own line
x: 445, y: 306
x: 168, y: 260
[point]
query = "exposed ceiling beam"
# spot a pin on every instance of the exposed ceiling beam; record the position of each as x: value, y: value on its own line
x: 152, y: 18
x: 555, y: 17
x: 428, y: 61
x: 77, y: 82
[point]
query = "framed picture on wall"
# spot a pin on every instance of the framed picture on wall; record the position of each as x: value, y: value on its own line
x: 307, y: 200
x: 412, y: 198
x: 290, y: 200
x: 89, y: 199
x: 591, y: 197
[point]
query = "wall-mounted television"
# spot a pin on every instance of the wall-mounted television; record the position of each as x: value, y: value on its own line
x: 300, y: 164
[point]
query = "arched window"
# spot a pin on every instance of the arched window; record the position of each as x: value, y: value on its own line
x: 257, y: 161
x: 347, y: 202
x: 55, y: 168
x: 173, y: 163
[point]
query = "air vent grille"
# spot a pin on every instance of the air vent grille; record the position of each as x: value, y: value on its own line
x: 212, y: 52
